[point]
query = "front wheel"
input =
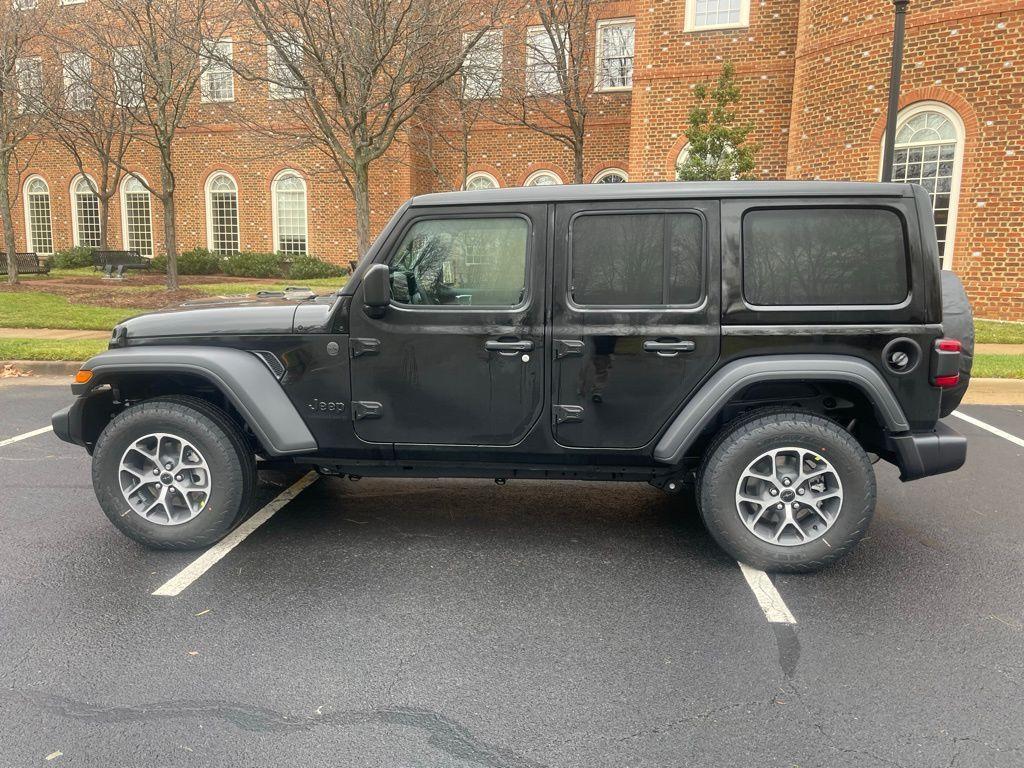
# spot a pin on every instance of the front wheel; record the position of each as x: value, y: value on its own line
x: 786, y: 491
x: 173, y: 473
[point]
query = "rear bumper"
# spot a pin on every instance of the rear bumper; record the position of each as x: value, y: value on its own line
x: 920, y: 454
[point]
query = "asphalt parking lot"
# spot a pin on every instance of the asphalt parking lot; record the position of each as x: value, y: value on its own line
x: 459, y: 623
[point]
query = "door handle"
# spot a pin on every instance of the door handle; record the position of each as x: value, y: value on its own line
x: 508, y: 347
x: 669, y: 348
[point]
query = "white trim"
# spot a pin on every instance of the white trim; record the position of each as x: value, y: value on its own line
x: 71, y: 2
x: 609, y: 172
x: 690, y: 24
x: 599, y: 50
x: 124, y: 210
x: 953, y: 116
x: 209, y: 208
x: 274, y: 211
x: 29, y: 244
x: 542, y: 172
x: 74, y: 205
x: 481, y: 175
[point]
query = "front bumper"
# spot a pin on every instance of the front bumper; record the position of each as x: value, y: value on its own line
x: 82, y: 421
x: 920, y: 454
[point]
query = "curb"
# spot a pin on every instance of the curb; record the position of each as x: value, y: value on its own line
x: 44, y: 367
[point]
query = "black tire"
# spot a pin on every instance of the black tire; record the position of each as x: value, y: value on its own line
x: 740, y: 443
x: 957, y: 323
x: 211, y: 431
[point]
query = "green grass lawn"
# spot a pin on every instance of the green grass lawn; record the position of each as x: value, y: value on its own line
x: 37, y: 309
x: 46, y: 349
x: 319, y: 285
x: 998, y: 367
x: 991, y: 332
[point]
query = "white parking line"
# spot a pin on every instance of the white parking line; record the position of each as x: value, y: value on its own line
x: 994, y: 430
x: 771, y: 602
x: 209, y: 558
x: 25, y: 436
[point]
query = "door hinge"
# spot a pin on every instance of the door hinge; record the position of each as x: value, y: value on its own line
x: 366, y: 409
x: 567, y: 414
x: 359, y: 347
x: 567, y: 348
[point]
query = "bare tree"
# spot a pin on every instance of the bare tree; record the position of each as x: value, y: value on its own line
x: 22, y: 25
x: 351, y: 74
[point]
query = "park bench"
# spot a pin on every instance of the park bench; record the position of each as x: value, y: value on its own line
x: 28, y: 264
x: 114, y: 263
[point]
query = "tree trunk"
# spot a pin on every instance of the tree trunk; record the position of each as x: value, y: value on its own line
x: 577, y: 163
x: 170, y: 229
x: 361, y: 177
x: 103, y: 202
x: 8, y: 222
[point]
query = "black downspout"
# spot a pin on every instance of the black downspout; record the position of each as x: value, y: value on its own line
x: 900, y: 11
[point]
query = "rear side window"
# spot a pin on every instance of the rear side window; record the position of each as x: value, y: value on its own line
x: 823, y: 256
x: 637, y: 259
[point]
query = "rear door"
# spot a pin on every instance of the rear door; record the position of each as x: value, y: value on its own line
x: 635, y: 317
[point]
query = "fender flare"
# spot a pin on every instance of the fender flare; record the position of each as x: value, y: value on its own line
x: 240, y: 376
x: 735, y: 376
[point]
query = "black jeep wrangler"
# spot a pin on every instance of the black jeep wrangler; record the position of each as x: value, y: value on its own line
x: 752, y: 343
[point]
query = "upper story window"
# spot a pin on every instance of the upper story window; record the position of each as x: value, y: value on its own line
x: 136, y: 217
x: 611, y: 176
x: 24, y: 5
x: 481, y: 71
x: 77, y: 73
x: 129, y: 89
x: 717, y: 14
x: 615, y: 54
x: 38, y: 225
x: 481, y: 180
x: 542, y: 58
x: 290, y: 227
x: 542, y: 179
x: 30, y: 84
x: 85, y: 212
x: 222, y: 213
x: 284, y: 57
x: 929, y: 151
x: 218, y: 82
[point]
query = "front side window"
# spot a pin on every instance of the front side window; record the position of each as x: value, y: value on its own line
x: 472, y: 262
x: 481, y: 71
x: 615, y: 55
x: 86, y: 208
x: 37, y: 216
x: 222, y: 214
x: 290, y: 214
x: 542, y: 59
x: 128, y: 83
x: 77, y: 81
x: 823, y: 256
x: 218, y: 83
x: 138, y: 217
x: 637, y: 259
x: 30, y: 84
x: 717, y: 14
x: 283, y: 59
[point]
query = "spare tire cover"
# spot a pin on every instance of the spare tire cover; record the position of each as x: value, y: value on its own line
x: 957, y: 323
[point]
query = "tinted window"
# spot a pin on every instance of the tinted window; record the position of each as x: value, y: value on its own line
x: 812, y: 256
x: 461, y: 261
x: 637, y: 259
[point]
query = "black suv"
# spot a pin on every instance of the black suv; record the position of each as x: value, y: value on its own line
x: 751, y: 344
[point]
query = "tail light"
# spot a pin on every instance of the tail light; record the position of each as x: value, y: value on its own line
x: 946, y: 363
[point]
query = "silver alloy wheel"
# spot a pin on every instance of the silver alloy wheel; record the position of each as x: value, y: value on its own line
x: 789, y: 496
x: 164, y: 479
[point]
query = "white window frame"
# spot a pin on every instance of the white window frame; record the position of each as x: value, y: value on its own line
x: 127, y: 81
x: 209, y: 208
x: 690, y: 24
x: 212, y: 52
x: 531, y: 51
x: 24, y: 5
x: 492, y: 37
x: 276, y: 90
x: 481, y: 175
x: 953, y: 116
x: 73, y: 79
x: 602, y: 25
x: 74, y: 207
x: 20, y: 67
x: 124, y: 212
x: 274, y: 213
x: 29, y: 241
x: 542, y: 172
x: 609, y: 172
x: 71, y: 2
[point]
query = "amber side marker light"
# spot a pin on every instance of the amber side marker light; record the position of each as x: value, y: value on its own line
x: 83, y: 376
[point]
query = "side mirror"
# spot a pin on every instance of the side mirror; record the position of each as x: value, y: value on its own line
x: 377, y: 289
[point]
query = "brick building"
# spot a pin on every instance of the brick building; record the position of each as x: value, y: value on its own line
x: 813, y: 74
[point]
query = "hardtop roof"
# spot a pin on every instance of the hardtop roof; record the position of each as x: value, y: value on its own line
x: 563, y: 193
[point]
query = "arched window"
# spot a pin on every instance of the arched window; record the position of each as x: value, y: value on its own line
x: 542, y: 179
x: 929, y: 151
x: 136, y: 217
x: 290, y: 230
x: 38, y: 224
x: 222, y: 213
x: 481, y: 180
x: 611, y: 176
x: 85, y: 213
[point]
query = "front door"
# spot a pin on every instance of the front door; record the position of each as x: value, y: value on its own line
x: 635, y: 317
x: 457, y: 358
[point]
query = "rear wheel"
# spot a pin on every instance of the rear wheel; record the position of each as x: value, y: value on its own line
x: 173, y: 473
x: 786, y: 491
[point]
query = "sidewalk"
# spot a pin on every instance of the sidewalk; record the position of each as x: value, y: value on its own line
x: 51, y: 334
